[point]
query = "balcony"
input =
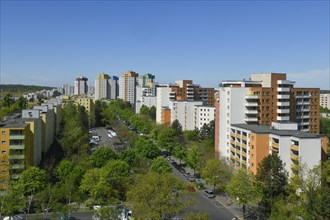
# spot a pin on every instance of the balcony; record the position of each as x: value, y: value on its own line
x: 17, y: 166
x: 232, y: 134
x: 244, y: 162
x: 294, y: 167
x: 15, y: 176
x: 17, y: 147
x: 251, y: 119
x: 233, y: 150
x: 283, y: 118
x: 243, y: 146
x: 275, y: 145
x: 243, y: 154
x: 294, y: 147
x: 285, y: 82
x: 283, y: 96
x: 251, y: 97
x: 294, y: 157
x: 17, y: 156
x: 244, y: 138
x: 283, y: 103
x: 251, y: 104
x: 283, y: 111
x: 283, y: 89
x: 237, y: 143
x: 254, y: 112
x: 232, y: 157
x: 17, y: 137
x: 232, y: 142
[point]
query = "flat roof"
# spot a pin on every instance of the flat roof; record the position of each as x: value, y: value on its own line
x: 262, y: 129
x: 15, y: 121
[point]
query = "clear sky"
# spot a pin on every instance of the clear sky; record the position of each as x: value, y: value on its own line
x: 52, y: 42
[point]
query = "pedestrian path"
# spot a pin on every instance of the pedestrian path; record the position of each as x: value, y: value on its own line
x: 224, y: 200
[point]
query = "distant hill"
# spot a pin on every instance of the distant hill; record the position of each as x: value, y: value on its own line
x: 19, y: 90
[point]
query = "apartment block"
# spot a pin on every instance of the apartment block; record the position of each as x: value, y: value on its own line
x: 80, y: 86
x: 57, y: 106
x: 68, y: 89
x: 184, y: 112
x: 204, y: 114
x: 182, y: 90
x: 145, y: 92
x: 114, y: 87
x: 325, y: 100
x: 21, y: 143
x: 251, y: 143
x: 127, y: 84
x: 88, y: 104
x: 48, y: 125
x: 263, y: 99
x: 102, y: 87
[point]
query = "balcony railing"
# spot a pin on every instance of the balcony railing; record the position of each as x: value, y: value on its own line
x: 294, y: 147
x: 16, y: 156
x: 17, y: 166
x: 17, y: 147
x: 17, y: 137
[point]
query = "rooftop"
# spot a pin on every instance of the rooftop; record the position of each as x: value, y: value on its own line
x: 262, y: 129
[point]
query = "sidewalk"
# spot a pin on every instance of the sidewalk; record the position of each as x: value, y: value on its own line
x: 236, y: 210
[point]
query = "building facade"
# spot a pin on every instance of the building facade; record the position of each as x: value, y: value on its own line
x: 325, y: 100
x: 80, y: 86
x: 127, y: 84
x: 102, y: 87
x: 203, y: 114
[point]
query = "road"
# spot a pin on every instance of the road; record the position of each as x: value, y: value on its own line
x: 215, y: 210
x: 105, y: 141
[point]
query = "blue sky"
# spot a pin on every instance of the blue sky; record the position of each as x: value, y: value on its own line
x: 52, y: 42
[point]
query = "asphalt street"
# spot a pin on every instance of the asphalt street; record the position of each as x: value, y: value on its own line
x: 215, y: 210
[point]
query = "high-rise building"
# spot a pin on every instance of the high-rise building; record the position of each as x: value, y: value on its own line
x: 103, y: 87
x: 204, y: 114
x: 68, y: 89
x: 264, y: 99
x: 325, y: 100
x: 80, y: 86
x: 127, y: 84
x: 114, y: 86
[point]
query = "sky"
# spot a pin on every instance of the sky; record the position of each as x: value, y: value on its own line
x: 52, y: 42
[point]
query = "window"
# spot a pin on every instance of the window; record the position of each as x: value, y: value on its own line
x: 3, y: 142
x: 3, y: 152
x: 3, y: 162
x: 3, y: 132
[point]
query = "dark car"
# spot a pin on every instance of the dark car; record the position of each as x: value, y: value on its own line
x: 209, y: 194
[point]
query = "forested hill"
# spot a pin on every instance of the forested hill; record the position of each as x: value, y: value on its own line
x: 20, y: 89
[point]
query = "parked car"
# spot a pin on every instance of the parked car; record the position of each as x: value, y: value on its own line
x: 209, y: 194
x: 190, y: 178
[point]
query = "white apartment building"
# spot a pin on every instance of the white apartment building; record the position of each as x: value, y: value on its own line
x: 127, y: 84
x: 184, y: 112
x: 163, y: 98
x: 325, y: 100
x: 102, y: 87
x: 80, y: 86
x: 250, y: 143
x: 68, y: 89
x: 204, y: 114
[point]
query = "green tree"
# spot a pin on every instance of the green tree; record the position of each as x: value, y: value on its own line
x: 31, y: 181
x: 242, y: 187
x: 146, y: 148
x: 191, y: 135
x: 180, y: 152
x: 194, y: 158
x: 97, y: 188
x: 128, y: 155
x: 64, y: 169
x: 166, y: 139
x: 177, y: 127
x: 101, y: 156
x: 12, y: 201
x: 272, y: 180
x: 160, y: 165
x: 197, y: 216
x: 217, y: 173
x: 152, y: 113
x: 157, y: 196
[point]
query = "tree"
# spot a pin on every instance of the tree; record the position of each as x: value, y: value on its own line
x: 197, y: 216
x: 116, y: 172
x: 180, y: 151
x: 192, y: 135
x: 242, y: 187
x: 97, y: 188
x: 146, y: 148
x: 166, y: 139
x: 63, y: 169
x: 177, y: 127
x: 160, y: 165
x: 217, y: 173
x: 12, y: 201
x: 194, y: 158
x: 272, y: 179
x: 156, y: 196
x: 101, y: 156
x: 31, y: 181
x: 152, y: 113
x: 128, y: 156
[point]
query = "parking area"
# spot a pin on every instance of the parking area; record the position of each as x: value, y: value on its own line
x: 102, y: 137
